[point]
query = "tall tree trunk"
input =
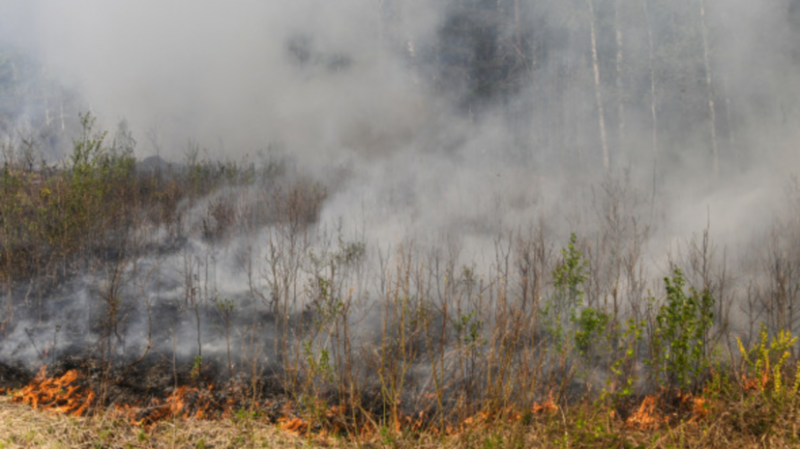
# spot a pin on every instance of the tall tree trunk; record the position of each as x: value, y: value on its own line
x: 517, y: 32
x: 620, y: 60
x: 598, y: 95
x: 709, y: 87
x: 653, y: 111
x: 729, y: 123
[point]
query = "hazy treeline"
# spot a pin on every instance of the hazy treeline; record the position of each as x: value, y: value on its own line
x: 630, y: 81
x: 588, y: 83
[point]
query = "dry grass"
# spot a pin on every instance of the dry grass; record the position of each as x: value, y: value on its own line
x: 22, y: 426
x: 584, y: 425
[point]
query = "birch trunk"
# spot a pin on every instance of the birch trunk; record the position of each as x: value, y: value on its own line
x: 729, y: 122
x: 517, y: 32
x: 598, y: 95
x: 653, y: 110
x: 620, y: 60
x: 709, y: 88
x: 651, y: 63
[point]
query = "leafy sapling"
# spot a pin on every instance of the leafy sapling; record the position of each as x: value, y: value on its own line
x: 681, y: 335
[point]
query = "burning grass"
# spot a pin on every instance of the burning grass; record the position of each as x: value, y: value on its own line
x: 63, y: 410
x: 646, y: 417
x: 71, y: 394
x: 656, y: 422
x: 61, y: 394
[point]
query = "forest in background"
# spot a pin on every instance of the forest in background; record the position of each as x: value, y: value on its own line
x: 547, y: 206
x: 616, y: 84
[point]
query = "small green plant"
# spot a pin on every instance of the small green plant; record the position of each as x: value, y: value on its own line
x: 468, y: 326
x: 245, y: 415
x: 681, y: 336
x: 197, y: 367
x: 319, y: 374
x: 225, y: 307
x: 591, y: 325
x: 493, y: 441
x: 329, y: 307
x: 765, y: 363
x: 319, y: 366
x: 567, y: 298
x: 387, y: 436
x: 620, y: 384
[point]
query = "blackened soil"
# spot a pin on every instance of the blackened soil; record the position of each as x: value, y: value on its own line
x: 148, y: 383
x: 13, y: 377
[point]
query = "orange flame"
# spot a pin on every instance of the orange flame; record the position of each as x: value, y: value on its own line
x: 292, y: 425
x: 546, y: 406
x: 756, y: 383
x: 185, y: 402
x: 699, y: 408
x: 646, y: 417
x: 58, y: 394
x: 64, y: 394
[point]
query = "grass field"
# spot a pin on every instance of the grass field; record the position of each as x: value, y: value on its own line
x: 734, y: 418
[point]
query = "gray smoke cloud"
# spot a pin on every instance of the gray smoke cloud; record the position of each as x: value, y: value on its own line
x: 224, y: 75
x: 435, y: 132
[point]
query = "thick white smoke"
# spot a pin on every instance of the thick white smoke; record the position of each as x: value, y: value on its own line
x: 359, y: 94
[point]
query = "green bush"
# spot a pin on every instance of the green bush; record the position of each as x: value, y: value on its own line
x: 562, y: 307
x: 680, y: 341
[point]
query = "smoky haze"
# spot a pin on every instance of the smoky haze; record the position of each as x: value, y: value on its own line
x: 447, y: 123
x: 515, y: 78
x: 225, y: 75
